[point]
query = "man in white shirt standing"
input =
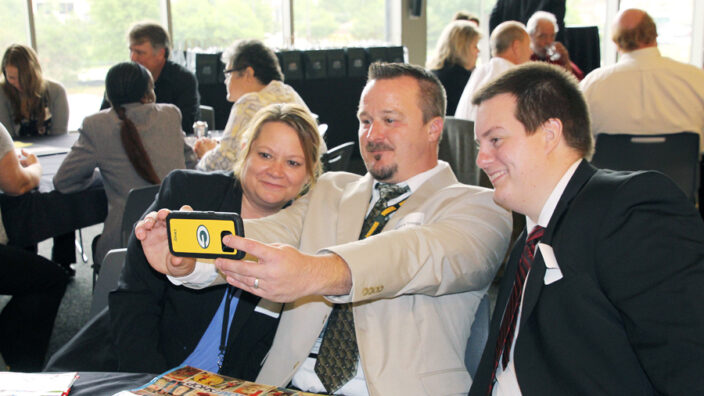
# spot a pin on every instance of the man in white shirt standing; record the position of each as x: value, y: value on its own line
x: 644, y: 93
x: 510, y: 46
x: 601, y: 292
x: 404, y: 274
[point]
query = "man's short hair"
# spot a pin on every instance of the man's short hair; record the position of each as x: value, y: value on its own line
x: 538, y: 16
x: 645, y: 33
x: 254, y: 54
x: 431, y: 94
x: 157, y: 36
x: 504, y: 36
x: 545, y: 91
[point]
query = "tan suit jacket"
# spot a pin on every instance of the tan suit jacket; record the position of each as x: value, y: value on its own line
x: 416, y: 285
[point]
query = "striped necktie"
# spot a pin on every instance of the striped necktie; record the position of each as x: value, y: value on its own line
x: 508, y: 322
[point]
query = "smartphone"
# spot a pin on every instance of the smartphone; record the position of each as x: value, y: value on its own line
x: 199, y: 234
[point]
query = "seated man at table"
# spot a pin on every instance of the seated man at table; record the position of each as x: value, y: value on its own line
x: 383, y: 272
x: 150, y: 46
x: 35, y: 283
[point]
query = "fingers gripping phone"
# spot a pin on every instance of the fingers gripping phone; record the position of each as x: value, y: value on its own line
x: 199, y: 234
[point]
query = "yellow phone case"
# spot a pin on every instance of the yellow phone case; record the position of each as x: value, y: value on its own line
x: 199, y: 234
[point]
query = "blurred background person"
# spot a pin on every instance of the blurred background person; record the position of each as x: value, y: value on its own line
x: 542, y: 28
x: 510, y: 46
x: 150, y: 46
x: 521, y: 10
x: 253, y: 79
x: 134, y: 144
x: 455, y: 57
x: 30, y: 104
x: 35, y: 283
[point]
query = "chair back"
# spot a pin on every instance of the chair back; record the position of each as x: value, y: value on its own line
x: 138, y: 200
x: 674, y: 154
x: 338, y: 158
x: 107, y: 280
x: 207, y: 114
x: 458, y: 148
x: 478, y: 335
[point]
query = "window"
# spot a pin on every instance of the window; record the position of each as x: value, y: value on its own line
x: 440, y: 13
x: 218, y: 23
x: 333, y: 23
x: 78, y: 48
x: 13, y: 29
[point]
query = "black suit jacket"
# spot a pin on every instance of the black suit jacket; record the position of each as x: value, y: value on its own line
x: 155, y: 324
x: 626, y: 318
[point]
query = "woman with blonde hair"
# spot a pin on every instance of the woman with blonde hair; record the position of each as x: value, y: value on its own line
x: 220, y: 329
x: 30, y: 104
x: 455, y: 57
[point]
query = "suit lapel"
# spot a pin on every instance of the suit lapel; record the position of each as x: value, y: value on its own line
x: 355, y: 202
x: 423, y: 194
x: 244, y: 309
x: 535, y: 282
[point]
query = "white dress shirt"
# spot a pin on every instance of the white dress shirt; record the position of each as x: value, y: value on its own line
x: 480, y: 77
x: 646, y: 93
x: 506, y: 379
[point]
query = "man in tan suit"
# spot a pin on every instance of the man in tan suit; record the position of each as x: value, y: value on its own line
x: 407, y: 295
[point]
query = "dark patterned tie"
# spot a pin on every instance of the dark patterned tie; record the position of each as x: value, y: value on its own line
x: 337, y: 359
x: 508, y: 322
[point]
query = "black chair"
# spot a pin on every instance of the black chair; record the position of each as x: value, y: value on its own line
x: 675, y: 154
x: 138, y: 200
x: 458, y: 148
x: 338, y: 158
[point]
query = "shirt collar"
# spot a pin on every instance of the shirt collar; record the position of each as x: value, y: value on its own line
x: 413, y: 183
x: 641, y: 54
x: 553, y: 199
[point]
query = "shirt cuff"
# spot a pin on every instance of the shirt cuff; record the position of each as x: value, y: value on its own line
x: 202, y: 276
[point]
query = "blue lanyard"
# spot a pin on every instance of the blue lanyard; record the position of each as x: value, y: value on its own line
x: 225, y: 324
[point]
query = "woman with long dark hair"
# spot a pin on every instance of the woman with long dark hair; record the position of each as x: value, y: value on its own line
x: 133, y: 144
x: 30, y: 104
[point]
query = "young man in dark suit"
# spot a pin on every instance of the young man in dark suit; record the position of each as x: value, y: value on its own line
x: 604, y: 295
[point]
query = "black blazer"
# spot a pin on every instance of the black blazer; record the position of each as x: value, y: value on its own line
x: 453, y: 77
x: 155, y: 324
x: 627, y: 316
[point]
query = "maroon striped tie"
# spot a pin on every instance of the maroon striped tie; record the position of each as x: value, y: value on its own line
x: 508, y: 323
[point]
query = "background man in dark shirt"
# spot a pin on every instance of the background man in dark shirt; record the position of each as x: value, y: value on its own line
x: 150, y: 46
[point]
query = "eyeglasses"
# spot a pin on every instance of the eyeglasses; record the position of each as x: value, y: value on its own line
x: 227, y: 72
